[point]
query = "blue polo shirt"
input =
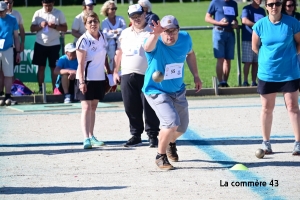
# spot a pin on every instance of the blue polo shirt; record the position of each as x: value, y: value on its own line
x: 8, y: 25
x: 163, y: 55
x: 277, y: 57
x: 65, y: 63
x: 252, y: 14
x: 221, y: 8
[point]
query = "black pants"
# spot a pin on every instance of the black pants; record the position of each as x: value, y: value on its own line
x: 135, y: 105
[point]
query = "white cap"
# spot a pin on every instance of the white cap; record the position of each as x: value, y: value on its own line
x: 3, y: 5
x: 88, y: 2
x: 135, y: 9
x: 70, y: 47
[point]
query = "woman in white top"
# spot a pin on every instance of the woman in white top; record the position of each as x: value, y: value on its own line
x: 112, y: 26
x: 90, y: 75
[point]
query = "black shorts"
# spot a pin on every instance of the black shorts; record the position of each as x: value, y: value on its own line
x: 42, y: 53
x: 95, y: 90
x: 274, y: 87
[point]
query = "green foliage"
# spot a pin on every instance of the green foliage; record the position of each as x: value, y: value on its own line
x: 188, y: 14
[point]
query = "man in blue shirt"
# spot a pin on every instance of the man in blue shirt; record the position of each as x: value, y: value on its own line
x: 250, y: 15
x: 167, y: 49
x: 66, y: 68
x: 222, y: 14
x: 8, y: 37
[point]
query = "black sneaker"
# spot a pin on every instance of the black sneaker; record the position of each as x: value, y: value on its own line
x: 133, y: 142
x: 153, y: 142
x: 1, y: 93
x: 163, y: 163
x: 172, y: 152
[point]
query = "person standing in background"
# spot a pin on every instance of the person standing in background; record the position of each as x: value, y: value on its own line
x: 8, y: 37
x: 147, y: 7
x: 19, y: 18
x: 131, y: 56
x: 78, y: 27
x: 47, y: 23
x: 289, y: 7
x: 250, y: 15
x: 222, y: 14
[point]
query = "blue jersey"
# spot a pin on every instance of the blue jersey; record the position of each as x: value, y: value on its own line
x: 162, y: 56
x: 65, y: 63
x: 277, y: 58
x: 8, y: 25
x: 252, y: 14
x: 223, y: 9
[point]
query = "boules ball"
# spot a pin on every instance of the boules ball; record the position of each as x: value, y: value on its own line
x: 225, y: 20
x: 8, y: 102
x: 233, y: 22
x: 157, y: 76
x: 259, y: 153
x: 2, y: 102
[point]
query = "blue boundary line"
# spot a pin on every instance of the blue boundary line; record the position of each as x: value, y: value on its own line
x: 218, y: 156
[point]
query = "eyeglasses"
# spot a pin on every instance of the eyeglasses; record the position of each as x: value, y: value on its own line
x: 115, y: 8
x: 135, y: 17
x: 291, y: 5
x: 9, y: 2
x: 171, y: 31
x: 277, y: 4
x: 91, y: 21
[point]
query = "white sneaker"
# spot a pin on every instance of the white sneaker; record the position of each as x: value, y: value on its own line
x: 67, y: 98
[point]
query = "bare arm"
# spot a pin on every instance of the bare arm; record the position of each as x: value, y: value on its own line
x: 117, y: 65
x: 76, y: 33
x: 255, y: 42
x: 211, y: 20
x: 17, y: 45
x: 297, y: 39
x: 247, y: 22
x: 22, y: 35
x: 59, y: 27
x: 192, y: 64
x: 153, y: 38
x: 61, y: 71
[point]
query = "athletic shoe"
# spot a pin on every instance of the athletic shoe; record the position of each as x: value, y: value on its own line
x: 254, y: 84
x: 266, y: 146
x: 1, y: 93
x: 296, y: 150
x: 153, y: 141
x: 133, y: 142
x: 226, y: 84
x: 163, y: 163
x: 96, y: 142
x: 67, y: 98
x: 246, y: 84
x: 172, y: 152
x: 87, y: 144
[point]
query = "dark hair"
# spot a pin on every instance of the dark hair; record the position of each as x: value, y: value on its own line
x: 283, y: 10
x: 47, y: 1
x: 88, y: 14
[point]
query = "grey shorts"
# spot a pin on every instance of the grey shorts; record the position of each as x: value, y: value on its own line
x: 247, y: 54
x: 171, y: 110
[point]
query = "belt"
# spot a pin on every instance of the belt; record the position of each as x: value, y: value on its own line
x: 223, y: 29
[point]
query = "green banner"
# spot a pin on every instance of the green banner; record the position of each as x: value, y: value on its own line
x: 26, y: 71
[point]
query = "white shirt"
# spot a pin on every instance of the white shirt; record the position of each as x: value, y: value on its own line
x: 133, y: 56
x: 95, y: 56
x: 120, y: 25
x: 17, y: 15
x: 78, y: 25
x: 48, y: 36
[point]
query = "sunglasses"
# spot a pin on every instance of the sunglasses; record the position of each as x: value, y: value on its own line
x: 9, y: 2
x: 171, y: 31
x: 292, y: 5
x: 115, y: 8
x: 277, y: 4
x: 91, y: 21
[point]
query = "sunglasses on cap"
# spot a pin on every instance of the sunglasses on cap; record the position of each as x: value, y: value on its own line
x: 292, y: 5
x: 277, y: 4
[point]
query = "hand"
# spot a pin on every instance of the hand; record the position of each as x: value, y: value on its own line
x: 52, y: 25
x: 83, y: 88
x: 157, y: 29
x: 18, y: 58
x: 71, y: 76
x: 116, y: 78
x: 223, y: 22
x: 234, y: 24
x: 198, y: 84
x: 43, y: 24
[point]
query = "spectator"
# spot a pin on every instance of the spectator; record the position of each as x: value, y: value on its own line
x: 222, y: 14
x: 276, y: 40
x: 90, y: 75
x: 147, y: 7
x: 47, y: 22
x: 131, y: 56
x: 112, y: 27
x: 66, y: 70
x: 250, y: 15
x: 8, y: 37
x: 167, y: 49
x: 289, y: 7
x: 19, y: 18
x: 78, y: 27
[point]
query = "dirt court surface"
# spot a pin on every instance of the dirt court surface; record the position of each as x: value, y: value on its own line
x: 41, y: 155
